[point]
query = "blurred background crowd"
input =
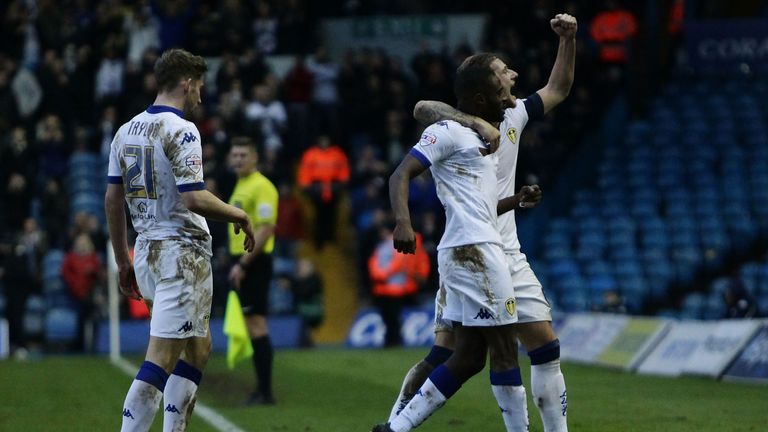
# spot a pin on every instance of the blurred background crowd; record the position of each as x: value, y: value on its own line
x: 330, y: 127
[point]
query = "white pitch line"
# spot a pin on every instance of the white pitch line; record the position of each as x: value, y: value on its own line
x: 208, y: 414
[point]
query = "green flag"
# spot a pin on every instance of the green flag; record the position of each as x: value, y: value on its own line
x: 238, y: 342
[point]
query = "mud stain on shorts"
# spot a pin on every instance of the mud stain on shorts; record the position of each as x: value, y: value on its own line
x: 470, y: 257
x: 153, y: 256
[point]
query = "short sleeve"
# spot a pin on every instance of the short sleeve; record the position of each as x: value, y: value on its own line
x: 266, y: 206
x: 114, y: 175
x: 534, y: 106
x: 186, y: 159
x: 436, y: 144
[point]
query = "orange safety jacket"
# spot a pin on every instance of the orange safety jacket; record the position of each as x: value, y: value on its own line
x: 324, y: 166
x: 611, y: 29
x: 395, y: 274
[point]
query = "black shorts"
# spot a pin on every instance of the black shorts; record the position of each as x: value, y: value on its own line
x: 254, y: 290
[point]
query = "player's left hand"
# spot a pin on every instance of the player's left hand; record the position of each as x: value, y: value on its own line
x: 529, y: 196
x: 236, y: 276
x: 564, y: 25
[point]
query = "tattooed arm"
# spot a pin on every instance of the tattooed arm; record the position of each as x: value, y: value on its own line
x: 428, y: 112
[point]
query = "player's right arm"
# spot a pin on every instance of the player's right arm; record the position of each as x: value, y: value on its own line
x: 528, y: 197
x: 114, y: 206
x: 428, y: 112
x: 403, y: 236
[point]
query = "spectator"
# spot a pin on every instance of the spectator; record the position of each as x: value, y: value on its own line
x: 613, y: 29
x: 325, y: 96
x: 738, y: 302
x: 396, y: 278
x: 323, y: 173
x: 54, y: 209
x: 267, y: 116
x: 291, y: 227
x: 307, y: 289
x: 82, y: 271
x: 143, y: 34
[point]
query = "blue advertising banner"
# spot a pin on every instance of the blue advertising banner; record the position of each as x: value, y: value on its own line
x: 727, y: 44
x: 416, y: 329
x: 752, y: 363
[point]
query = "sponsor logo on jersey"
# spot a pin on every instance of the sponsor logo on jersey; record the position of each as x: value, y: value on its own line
x: 483, y: 314
x: 188, y: 137
x: 172, y: 409
x: 512, y: 135
x: 195, y: 163
x: 442, y: 123
x: 510, y: 305
x: 127, y: 413
x: 186, y: 327
x: 428, y: 139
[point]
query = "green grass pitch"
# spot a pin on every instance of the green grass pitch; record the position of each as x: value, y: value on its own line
x: 339, y: 390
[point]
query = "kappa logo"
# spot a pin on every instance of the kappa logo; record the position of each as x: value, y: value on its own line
x: 188, y: 137
x: 127, y: 413
x: 186, y: 327
x: 512, y: 135
x: 510, y: 305
x: 564, y: 403
x: 483, y: 314
x: 172, y: 409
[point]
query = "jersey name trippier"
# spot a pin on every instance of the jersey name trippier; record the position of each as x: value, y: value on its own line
x: 465, y: 181
x: 156, y: 156
x: 511, y: 128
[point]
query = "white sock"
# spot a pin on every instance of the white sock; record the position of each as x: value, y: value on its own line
x: 140, y: 406
x: 179, y: 396
x: 413, y: 380
x: 514, y: 406
x: 548, y: 388
x: 143, y: 397
x: 426, y: 401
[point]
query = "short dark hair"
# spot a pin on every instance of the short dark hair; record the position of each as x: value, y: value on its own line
x: 244, y: 141
x: 177, y: 64
x: 473, y: 75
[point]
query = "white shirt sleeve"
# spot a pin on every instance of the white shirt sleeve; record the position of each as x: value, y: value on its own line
x: 187, y: 161
x: 436, y: 144
x: 114, y: 174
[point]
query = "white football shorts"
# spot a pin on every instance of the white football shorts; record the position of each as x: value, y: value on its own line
x: 532, y: 306
x: 478, y: 288
x: 176, y: 277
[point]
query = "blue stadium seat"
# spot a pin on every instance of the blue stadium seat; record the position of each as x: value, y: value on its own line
x: 61, y: 325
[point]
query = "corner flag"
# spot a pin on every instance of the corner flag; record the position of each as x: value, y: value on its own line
x: 238, y: 343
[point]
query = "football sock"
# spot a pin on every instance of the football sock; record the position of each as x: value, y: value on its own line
x: 416, y: 377
x: 180, y: 395
x: 548, y: 387
x: 263, y: 355
x: 507, y: 387
x: 438, y: 388
x: 143, y: 398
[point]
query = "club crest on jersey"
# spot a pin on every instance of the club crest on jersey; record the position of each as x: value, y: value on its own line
x: 428, y: 138
x: 512, y: 135
x: 510, y: 306
x: 195, y: 163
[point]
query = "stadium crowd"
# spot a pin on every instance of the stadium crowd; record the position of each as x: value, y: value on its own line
x: 72, y: 71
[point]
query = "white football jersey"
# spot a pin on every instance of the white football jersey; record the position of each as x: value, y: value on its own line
x: 511, y: 129
x: 156, y: 156
x: 465, y: 181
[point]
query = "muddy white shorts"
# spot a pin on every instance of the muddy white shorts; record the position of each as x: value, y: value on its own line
x: 477, y: 284
x: 532, y: 306
x: 176, y: 277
